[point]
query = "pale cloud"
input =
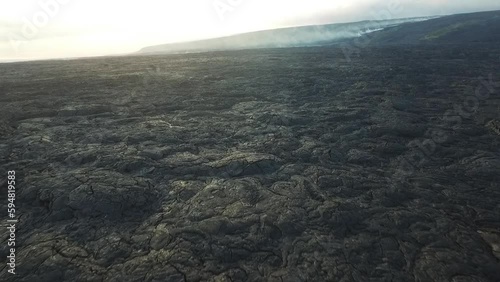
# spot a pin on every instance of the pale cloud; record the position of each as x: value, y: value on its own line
x: 33, y: 29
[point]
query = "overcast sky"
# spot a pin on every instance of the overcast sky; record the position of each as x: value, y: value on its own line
x: 39, y: 29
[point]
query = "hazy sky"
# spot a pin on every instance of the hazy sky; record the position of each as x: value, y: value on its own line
x: 37, y: 29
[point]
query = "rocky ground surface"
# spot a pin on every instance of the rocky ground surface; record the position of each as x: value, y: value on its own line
x: 266, y: 165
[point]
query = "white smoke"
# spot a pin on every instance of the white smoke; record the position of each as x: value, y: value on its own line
x: 285, y: 37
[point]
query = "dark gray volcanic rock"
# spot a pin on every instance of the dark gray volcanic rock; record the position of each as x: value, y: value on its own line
x: 269, y: 165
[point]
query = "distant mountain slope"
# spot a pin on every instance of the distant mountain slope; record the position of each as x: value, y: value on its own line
x: 481, y: 27
x: 284, y: 37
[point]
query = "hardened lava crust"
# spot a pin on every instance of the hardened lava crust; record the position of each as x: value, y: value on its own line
x: 294, y: 164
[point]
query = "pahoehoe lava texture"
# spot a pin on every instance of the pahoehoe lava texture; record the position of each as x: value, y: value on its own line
x: 265, y: 165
